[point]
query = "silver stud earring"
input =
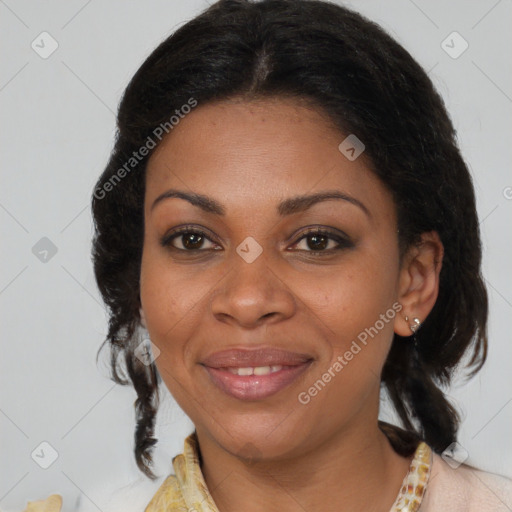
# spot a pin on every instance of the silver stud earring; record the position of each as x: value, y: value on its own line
x: 415, y: 326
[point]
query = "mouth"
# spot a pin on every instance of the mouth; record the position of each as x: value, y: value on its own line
x: 255, y: 374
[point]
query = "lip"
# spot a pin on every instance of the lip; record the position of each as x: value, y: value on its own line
x: 265, y: 356
x: 255, y: 387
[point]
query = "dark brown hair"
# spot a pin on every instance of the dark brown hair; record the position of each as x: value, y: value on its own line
x: 366, y: 84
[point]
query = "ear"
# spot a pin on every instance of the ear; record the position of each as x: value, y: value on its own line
x: 142, y: 318
x: 418, y: 285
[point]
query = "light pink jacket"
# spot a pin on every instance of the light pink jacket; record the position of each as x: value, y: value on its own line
x: 465, y: 489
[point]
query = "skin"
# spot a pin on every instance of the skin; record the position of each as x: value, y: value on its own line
x: 278, y: 454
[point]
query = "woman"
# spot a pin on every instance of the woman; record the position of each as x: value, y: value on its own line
x: 288, y: 215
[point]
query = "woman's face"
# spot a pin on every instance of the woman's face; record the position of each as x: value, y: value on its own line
x: 246, y: 271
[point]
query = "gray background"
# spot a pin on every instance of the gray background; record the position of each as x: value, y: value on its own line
x: 58, y: 126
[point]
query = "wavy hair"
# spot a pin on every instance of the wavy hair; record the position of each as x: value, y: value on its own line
x: 365, y: 83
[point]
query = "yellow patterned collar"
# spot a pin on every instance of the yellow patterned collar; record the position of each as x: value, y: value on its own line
x: 187, y: 490
x: 415, y: 482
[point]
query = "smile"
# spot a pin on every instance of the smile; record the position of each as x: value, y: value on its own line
x: 257, y: 370
x: 255, y: 383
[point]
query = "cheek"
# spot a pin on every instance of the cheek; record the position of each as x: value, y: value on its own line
x: 169, y: 299
x: 351, y: 298
x: 172, y: 305
x: 356, y: 304
x: 357, y: 309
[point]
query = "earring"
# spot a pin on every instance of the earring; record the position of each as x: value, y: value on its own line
x: 415, y: 326
x: 415, y: 356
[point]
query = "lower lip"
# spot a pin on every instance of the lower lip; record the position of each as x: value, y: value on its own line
x: 255, y: 387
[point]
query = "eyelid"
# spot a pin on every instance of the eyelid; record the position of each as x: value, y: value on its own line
x: 168, y: 237
x: 337, y: 235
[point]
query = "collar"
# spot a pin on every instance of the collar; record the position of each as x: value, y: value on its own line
x: 187, y: 489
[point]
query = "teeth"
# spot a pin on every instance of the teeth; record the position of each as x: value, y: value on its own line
x: 258, y: 370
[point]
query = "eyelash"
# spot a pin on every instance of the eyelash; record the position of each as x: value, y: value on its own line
x: 343, y: 242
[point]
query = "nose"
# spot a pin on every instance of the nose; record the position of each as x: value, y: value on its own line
x: 252, y: 294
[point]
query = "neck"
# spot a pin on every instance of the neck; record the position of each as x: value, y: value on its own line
x: 356, y: 469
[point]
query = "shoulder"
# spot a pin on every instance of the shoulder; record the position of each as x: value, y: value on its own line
x: 168, y: 497
x: 465, y: 489
x: 51, y: 504
x: 141, y: 495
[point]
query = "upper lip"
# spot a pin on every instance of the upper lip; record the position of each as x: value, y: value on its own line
x: 244, y: 358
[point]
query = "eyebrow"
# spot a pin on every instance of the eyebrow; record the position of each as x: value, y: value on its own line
x: 287, y: 207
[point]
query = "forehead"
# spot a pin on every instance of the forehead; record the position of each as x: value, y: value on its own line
x: 244, y: 152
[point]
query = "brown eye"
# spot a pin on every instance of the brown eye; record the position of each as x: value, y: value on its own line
x: 192, y: 241
x: 317, y: 242
x: 320, y: 241
x: 188, y: 240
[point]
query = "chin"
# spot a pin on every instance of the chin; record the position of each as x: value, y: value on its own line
x: 253, y: 438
